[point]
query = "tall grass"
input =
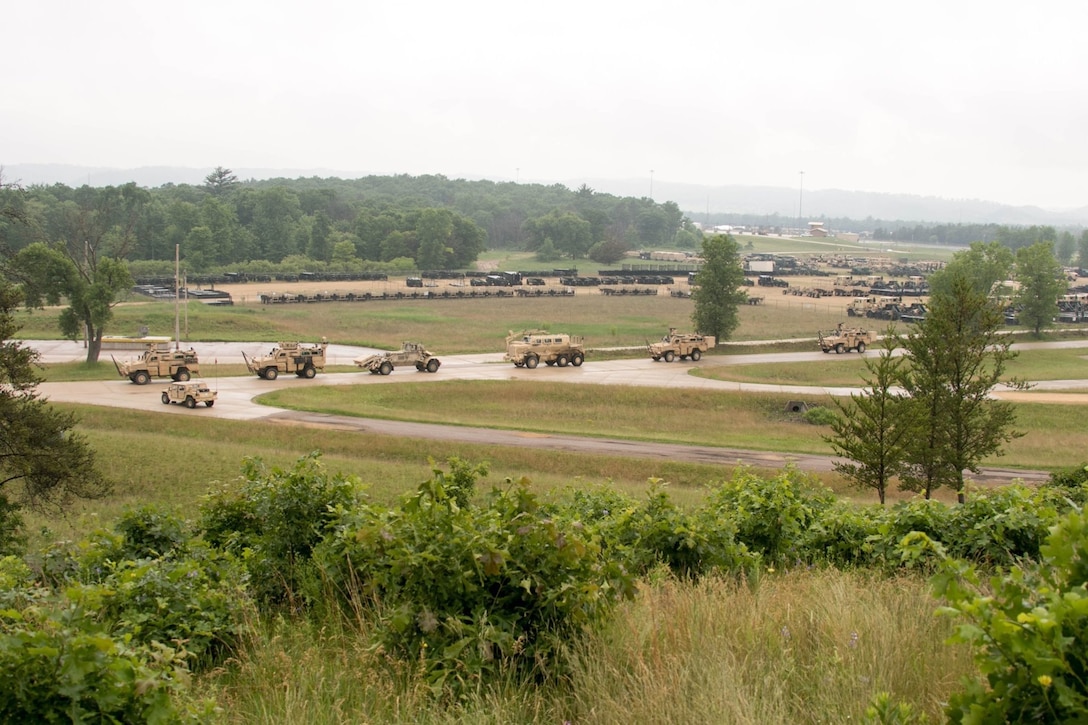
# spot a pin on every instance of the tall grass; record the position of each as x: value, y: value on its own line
x: 802, y: 647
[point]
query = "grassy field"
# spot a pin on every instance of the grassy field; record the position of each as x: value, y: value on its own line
x: 805, y: 646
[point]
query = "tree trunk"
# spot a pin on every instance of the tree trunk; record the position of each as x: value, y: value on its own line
x: 94, y: 345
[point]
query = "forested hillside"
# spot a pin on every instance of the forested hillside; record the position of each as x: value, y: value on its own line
x: 421, y: 222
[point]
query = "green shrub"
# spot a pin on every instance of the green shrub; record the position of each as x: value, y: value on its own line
x: 843, y: 535
x: 819, y: 415
x: 771, y: 516
x: 199, y: 600
x: 1000, y: 526
x: 55, y: 667
x: 1029, y: 628
x: 12, y: 535
x: 1071, y: 482
x: 149, y: 532
x: 274, y: 520
x: 690, y: 545
x: 471, y: 591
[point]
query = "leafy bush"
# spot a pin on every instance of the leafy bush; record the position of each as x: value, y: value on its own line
x: 199, y: 601
x: 819, y: 415
x: 274, y: 521
x: 843, y: 535
x: 1071, y: 482
x: 1000, y: 526
x: 771, y: 516
x: 1029, y: 628
x: 12, y: 536
x: 149, y: 532
x: 55, y: 667
x: 690, y: 545
x: 467, y: 591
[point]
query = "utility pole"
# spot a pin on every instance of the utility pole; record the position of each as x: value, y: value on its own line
x: 800, y: 201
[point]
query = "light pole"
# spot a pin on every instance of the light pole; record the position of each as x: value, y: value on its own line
x: 651, y: 184
x: 800, y: 201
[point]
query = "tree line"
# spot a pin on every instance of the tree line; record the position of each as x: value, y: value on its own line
x: 420, y: 222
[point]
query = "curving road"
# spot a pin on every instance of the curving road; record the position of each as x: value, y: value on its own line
x: 236, y: 400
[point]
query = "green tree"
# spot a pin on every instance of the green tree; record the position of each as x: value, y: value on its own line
x: 609, y: 251
x: 1041, y: 282
x: 873, y: 429
x: 92, y: 287
x: 1082, y: 250
x: 320, y: 247
x: 570, y: 234
x: 433, y: 230
x: 986, y: 266
x: 719, y: 288
x: 221, y: 181
x: 1066, y: 246
x: 956, y: 356
x: 43, y: 463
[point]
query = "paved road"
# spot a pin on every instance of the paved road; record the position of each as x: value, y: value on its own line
x: 236, y: 402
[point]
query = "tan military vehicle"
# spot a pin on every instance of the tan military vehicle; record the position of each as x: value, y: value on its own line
x: 844, y: 339
x: 532, y: 347
x: 410, y: 353
x: 681, y: 345
x: 189, y: 394
x: 302, y: 359
x: 155, y: 362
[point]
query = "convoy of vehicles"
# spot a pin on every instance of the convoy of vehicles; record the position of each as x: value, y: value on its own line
x: 410, y: 353
x: 529, y: 348
x: 681, y: 345
x: 156, y: 362
x: 189, y: 394
x: 302, y: 359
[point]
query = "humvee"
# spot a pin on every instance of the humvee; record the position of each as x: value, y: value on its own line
x: 410, y: 353
x: 531, y: 347
x: 178, y: 365
x: 302, y: 359
x: 682, y: 345
x: 189, y: 394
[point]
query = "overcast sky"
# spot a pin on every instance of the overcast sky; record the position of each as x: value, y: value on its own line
x: 950, y: 98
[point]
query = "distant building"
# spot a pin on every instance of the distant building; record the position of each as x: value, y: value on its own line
x: 816, y: 229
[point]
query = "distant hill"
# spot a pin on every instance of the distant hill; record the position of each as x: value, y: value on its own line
x: 695, y: 200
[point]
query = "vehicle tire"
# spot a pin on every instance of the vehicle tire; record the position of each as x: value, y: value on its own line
x: 670, y: 356
x: 271, y: 373
x: 141, y: 378
x: 576, y: 360
x: 839, y: 348
x: 165, y: 399
x: 309, y: 372
x: 532, y: 361
x: 860, y: 348
x: 695, y: 355
x: 386, y: 368
x: 190, y: 402
x: 182, y: 375
x: 549, y: 363
x: 432, y: 365
x: 209, y: 403
x: 562, y: 361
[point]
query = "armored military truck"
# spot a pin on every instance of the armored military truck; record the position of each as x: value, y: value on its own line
x: 844, y: 339
x: 302, y: 359
x: 410, y: 353
x: 189, y: 394
x: 529, y: 348
x: 155, y: 362
x: 681, y: 345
